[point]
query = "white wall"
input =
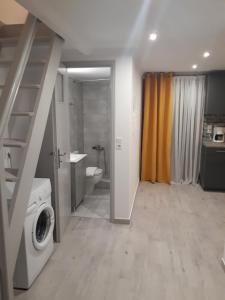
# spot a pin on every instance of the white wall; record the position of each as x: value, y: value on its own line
x: 127, y: 127
x: 123, y: 106
x: 135, y: 138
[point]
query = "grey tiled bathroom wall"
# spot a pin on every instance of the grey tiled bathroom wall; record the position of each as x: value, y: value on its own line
x: 96, y: 108
x: 90, y: 115
x: 76, y: 117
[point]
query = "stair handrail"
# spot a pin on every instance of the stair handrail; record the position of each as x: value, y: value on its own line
x: 16, y: 71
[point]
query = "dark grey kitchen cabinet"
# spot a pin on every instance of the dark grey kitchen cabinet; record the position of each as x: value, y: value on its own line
x: 212, y: 173
x: 215, y: 93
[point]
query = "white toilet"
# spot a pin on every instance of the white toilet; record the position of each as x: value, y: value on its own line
x: 93, y: 176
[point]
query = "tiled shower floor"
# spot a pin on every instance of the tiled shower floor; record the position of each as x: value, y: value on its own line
x: 96, y: 205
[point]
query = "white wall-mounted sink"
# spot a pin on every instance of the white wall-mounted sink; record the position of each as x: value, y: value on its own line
x: 76, y: 157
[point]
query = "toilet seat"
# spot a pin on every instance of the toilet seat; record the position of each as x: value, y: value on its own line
x: 92, y: 171
x: 98, y: 171
x: 93, y: 176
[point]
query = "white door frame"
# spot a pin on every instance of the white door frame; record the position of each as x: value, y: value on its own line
x: 111, y: 65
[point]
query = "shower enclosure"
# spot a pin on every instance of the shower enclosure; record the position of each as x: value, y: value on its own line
x: 96, y: 114
x: 90, y: 133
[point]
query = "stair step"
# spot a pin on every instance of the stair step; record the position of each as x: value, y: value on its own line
x: 12, y: 41
x: 23, y: 114
x: 10, y: 34
x: 11, y: 175
x: 35, y: 62
x: 14, y: 143
x: 30, y: 86
x: 25, y: 86
x: 11, y: 30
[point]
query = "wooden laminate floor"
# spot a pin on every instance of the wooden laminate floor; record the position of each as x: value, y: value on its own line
x: 171, y: 251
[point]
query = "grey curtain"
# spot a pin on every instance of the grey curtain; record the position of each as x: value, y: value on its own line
x: 188, y: 110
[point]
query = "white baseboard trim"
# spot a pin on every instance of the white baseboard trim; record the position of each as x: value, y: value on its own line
x: 127, y: 221
x: 121, y: 221
x: 134, y: 197
x: 223, y: 263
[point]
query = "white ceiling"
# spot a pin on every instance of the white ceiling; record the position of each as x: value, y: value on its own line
x: 105, y: 28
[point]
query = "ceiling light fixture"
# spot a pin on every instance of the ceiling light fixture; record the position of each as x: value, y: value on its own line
x: 206, y: 54
x: 80, y: 70
x: 194, y: 66
x: 153, y: 36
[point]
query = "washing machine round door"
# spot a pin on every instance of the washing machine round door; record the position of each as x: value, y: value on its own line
x: 43, y: 226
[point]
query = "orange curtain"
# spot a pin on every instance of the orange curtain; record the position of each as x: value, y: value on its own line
x: 157, y: 123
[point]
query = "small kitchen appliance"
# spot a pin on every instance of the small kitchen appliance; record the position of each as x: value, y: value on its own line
x: 218, y: 134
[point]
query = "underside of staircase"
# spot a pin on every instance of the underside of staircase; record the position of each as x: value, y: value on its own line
x: 29, y: 60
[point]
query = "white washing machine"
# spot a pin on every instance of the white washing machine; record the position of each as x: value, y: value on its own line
x: 37, y: 240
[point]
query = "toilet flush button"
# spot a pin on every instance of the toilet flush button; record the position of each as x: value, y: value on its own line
x: 118, y: 143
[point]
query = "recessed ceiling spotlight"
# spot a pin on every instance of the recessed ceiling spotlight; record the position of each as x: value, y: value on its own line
x: 206, y: 54
x: 194, y: 66
x: 153, y: 36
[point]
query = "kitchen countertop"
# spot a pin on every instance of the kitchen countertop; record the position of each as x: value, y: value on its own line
x: 213, y: 144
x: 75, y: 158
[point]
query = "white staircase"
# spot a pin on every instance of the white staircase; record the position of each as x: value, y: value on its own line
x: 24, y: 103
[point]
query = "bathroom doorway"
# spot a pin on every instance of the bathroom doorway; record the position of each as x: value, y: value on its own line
x: 89, y: 95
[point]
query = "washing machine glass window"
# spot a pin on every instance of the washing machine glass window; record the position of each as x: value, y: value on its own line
x: 43, y: 226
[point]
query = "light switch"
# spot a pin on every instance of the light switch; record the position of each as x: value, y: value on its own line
x: 118, y: 143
